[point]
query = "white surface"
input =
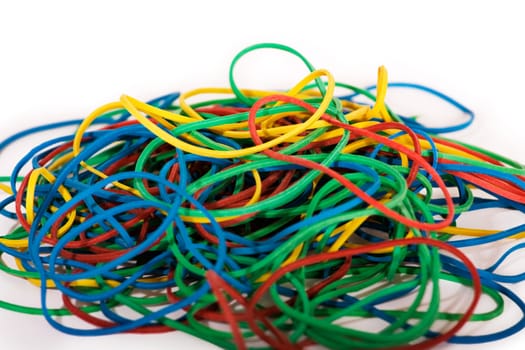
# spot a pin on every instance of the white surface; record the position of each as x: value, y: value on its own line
x: 61, y: 59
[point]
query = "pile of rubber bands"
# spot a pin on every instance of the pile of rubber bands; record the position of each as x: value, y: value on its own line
x: 283, y: 219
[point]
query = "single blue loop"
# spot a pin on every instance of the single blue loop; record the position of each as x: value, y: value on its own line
x: 413, y: 123
x: 433, y: 130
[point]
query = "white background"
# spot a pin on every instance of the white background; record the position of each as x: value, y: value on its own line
x: 62, y: 59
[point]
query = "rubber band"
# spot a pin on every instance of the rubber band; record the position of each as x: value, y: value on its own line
x: 264, y: 218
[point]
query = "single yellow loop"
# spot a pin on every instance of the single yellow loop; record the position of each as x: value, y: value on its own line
x: 299, y: 128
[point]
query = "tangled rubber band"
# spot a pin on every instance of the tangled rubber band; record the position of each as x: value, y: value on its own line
x: 280, y: 219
